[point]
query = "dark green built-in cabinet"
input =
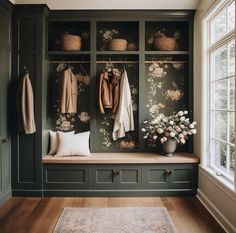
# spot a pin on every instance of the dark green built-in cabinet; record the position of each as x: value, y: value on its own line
x: 5, y: 77
x: 28, y: 31
x: 36, y: 32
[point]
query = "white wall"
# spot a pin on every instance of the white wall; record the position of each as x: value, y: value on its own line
x: 115, y: 4
x: 219, y: 200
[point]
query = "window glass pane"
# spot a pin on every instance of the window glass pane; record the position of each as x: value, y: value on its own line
x: 232, y: 159
x: 231, y: 16
x: 231, y: 70
x: 220, y: 94
x: 232, y: 93
x: 220, y: 155
x: 231, y: 127
x: 220, y: 125
x: 219, y: 26
x: 220, y: 63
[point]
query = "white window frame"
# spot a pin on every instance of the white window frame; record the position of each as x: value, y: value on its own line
x: 207, y: 47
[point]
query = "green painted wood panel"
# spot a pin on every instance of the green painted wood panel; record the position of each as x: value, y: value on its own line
x: 130, y: 176
x: 66, y: 177
x: 28, y: 49
x: 126, y: 179
x: 5, y: 77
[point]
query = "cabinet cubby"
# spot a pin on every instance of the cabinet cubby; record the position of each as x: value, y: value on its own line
x: 126, y: 30
x: 166, y: 36
x: 173, y: 92
x: 78, y: 28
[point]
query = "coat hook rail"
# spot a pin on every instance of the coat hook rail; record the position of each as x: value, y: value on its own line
x: 149, y: 62
x: 117, y: 62
x: 72, y: 62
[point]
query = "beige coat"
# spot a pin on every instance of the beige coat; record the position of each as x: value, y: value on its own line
x: 25, y: 106
x: 124, y: 120
x: 68, y: 103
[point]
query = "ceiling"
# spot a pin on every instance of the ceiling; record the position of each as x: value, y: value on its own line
x: 113, y: 4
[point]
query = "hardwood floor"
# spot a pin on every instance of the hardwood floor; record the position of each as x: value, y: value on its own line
x: 39, y: 215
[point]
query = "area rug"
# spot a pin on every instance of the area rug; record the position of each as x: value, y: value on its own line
x: 115, y: 220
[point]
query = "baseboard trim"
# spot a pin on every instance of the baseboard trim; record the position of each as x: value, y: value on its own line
x: 116, y: 193
x: 6, y: 196
x: 215, y: 212
x: 27, y: 193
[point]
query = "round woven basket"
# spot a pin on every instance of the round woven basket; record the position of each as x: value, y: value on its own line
x: 70, y: 42
x: 165, y: 43
x: 118, y: 45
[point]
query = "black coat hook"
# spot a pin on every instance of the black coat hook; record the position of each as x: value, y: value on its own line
x: 26, y: 70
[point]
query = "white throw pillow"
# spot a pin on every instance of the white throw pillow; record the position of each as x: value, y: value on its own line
x: 76, y: 144
x: 54, y: 141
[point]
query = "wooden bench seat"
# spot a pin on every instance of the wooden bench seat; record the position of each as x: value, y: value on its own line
x: 122, y: 158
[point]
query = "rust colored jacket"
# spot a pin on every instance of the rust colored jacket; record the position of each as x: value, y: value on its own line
x: 68, y: 103
x: 108, y: 92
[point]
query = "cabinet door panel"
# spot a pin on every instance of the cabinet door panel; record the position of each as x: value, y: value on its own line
x: 104, y: 176
x: 183, y: 176
x: 66, y: 176
x: 155, y: 176
x: 130, y: 176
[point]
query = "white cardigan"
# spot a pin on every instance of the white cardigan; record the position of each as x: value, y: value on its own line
x: 124, y: 120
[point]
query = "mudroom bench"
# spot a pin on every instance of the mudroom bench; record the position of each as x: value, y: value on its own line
x: 120, y: 174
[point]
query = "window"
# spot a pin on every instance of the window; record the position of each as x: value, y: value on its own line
x: 219, y: 27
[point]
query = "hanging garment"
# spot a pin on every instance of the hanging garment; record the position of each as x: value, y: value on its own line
x: 124, y: 120
x: 108, y: 92
x: 25, y: 106
x: 68, y: 103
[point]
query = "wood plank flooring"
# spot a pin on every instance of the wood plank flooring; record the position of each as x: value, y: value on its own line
x: 39, y: 215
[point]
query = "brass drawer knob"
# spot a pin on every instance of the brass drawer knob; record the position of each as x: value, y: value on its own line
x: 168, y: 172
x: 4, y: 140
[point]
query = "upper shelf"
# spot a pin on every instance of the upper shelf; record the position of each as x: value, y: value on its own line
x: 117, y: 37
x: 166, y: 36
x: 69, y: 36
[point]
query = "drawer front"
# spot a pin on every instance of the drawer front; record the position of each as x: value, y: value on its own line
x: 66, y: 176
x: 104, y: 176
x: 183, y: 176
x: 156, y: 177
x: 130, y: 177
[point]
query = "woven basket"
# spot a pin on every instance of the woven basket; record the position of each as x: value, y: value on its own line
x: 118, y: 44
x: 70, y: 42
x: 165, y: 43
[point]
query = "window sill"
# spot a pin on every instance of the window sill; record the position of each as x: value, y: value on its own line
x: 221, y: 183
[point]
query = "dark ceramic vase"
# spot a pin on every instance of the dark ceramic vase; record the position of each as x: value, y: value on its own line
x: 169, y: 147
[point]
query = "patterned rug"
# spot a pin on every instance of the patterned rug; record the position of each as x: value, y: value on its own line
x: 115, y: 220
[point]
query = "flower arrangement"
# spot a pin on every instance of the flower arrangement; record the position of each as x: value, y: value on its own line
x: 162, y: 127
x: 107, y: 36
x: 162, y: 33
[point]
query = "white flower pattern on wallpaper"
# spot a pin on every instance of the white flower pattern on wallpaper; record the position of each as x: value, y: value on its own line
x: 65, y: 122
x: 165, y: 83
x: 84, y: 117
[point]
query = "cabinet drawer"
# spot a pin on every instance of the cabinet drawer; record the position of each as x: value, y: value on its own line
x: 156, y: 177
x: 103, y: 176
x: 130, y: 176
x: 117, y: 176
x: 183, y: 176
x: 171, y: 176
x: 66, y: 176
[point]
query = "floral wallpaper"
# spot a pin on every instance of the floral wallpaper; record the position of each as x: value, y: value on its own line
x: 166, y: 82
x: 166, y: 92
x: 77, y: 121
x: 105, y: 122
